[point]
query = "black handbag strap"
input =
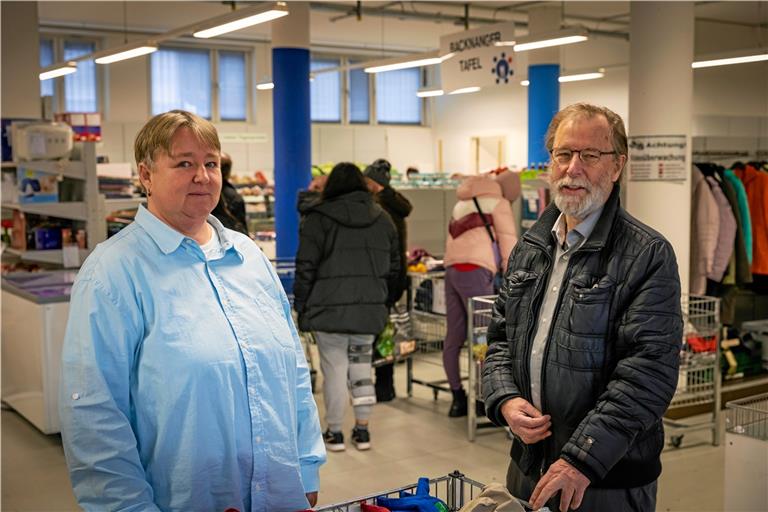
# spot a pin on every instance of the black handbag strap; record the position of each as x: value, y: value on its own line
x: 485, y: 220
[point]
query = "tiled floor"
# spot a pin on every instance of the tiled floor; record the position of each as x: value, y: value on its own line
x: 411, y: 438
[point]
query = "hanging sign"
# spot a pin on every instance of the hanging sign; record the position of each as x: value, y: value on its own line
x: 476, y: 59
x: 658, y: 158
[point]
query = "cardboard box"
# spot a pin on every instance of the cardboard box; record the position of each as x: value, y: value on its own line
x: 36, y: 187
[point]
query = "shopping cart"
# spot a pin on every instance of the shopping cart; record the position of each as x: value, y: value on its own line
x: 455, y: 489
x: 286, y: 272
x: 426, y: 308
x: 746, y: 454
x: 698, y: 382
x: 479, y: 313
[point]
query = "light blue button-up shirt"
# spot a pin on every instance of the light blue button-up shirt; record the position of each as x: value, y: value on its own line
x: 184, y: 386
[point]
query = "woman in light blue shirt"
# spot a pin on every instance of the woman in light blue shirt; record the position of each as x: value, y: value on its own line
x: 184, y: 385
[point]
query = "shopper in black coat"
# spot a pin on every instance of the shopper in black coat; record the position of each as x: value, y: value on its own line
x: 584, y: 344
x: 348, y: 261
x: 346, y: 278
x: 230, y: 209
x: 398, y: 207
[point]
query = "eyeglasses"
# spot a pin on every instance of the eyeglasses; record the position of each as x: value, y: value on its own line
x: 588, y: 156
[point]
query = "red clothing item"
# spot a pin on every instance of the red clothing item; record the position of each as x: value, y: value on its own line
x: 756, y: 185
x: 465, y: 267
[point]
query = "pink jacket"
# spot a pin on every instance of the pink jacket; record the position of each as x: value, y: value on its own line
x: 473, y: 245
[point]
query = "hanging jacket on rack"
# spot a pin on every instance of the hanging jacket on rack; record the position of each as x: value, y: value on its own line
x: 726, y: 232
x: 738, y: 271
x: 756, y: 187
x: 746, y: 218
x: 705, y: 225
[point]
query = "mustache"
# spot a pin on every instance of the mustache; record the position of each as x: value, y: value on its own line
x: 567, y: 181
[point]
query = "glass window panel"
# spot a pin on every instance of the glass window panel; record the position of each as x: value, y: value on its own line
x: 396, y: 100
x: 359, y: 102
x: 181, y: 79
x: 325, y: 92
x: 80, y: 87
x: 46, y: 59
x: 232, y: 86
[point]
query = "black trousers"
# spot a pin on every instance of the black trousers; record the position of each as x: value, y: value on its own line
x: 637, y: 499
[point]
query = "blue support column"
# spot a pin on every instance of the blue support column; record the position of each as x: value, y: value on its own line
x: 543, y: 104
x: 292, y: 140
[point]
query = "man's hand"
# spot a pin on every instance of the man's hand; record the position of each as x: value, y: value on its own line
x: 373, y: 187
x: 526, y: 421
x: 562, y: 477
x: 312, y: 498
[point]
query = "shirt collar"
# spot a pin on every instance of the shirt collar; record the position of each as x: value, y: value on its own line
x: 168, y: 239
x: 579, y: 233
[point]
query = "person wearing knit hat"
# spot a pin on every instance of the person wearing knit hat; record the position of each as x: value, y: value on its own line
x: 380, y: 172
x: 378, y: 175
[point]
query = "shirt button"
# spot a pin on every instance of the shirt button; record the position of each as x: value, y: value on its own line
x: 543, y: 320
x: 554, y: 288
x: 75, y: 396
x: 565, y: 257
x: 258, y: 439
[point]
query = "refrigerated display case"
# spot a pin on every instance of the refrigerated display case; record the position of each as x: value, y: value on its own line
x: 34, y: 312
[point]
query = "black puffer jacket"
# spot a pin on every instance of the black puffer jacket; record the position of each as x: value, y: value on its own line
x: 346, y: 266
x: 611, y: 362
x: 398, y: 207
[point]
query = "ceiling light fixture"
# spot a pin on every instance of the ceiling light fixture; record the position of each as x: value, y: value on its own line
x: 429, y: 93
x: 125, y: 52
x: 525, y: 83
x: 728, y: 61
x: 581, y: 76
x: 546, y: 40
x: 414, y: 60
x: 265, y: 86
x: 57, y: 70
x: 465, y: 90
x: 240, y: 19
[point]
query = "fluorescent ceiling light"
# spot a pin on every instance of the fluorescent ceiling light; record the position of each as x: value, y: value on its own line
x: 242, y: 19
x: 581, y: 76
x: 732, y: 60
x: 505, y: 43
x: 124, y: 52
x: 573, y: 78
x: 414, y: 60
x: 265, y: 86
x: 465, y: 90
x: 58, y: 70
x: 428, y: 93
x: 561, y: 37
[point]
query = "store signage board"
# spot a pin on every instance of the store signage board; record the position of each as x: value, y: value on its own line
x: 475, y: 59
x: 243, y: 137
x: 658, y: 158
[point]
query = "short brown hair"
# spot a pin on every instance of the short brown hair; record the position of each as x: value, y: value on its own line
x: 158, y: 133
x: 586, y: 110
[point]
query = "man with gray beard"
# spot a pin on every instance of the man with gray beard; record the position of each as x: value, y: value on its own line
x: 584, y: 343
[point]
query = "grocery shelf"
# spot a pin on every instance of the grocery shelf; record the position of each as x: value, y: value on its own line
x: 47, y: 256
x: 75, y: 210
x: 68, y: 168
x: 113, y: 205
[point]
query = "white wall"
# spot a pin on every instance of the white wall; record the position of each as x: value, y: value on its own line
x: 20, y: 85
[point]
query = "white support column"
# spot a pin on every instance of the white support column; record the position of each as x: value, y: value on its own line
x: 660, y: 103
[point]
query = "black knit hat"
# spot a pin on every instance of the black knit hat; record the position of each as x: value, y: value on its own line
x: 379, y: 171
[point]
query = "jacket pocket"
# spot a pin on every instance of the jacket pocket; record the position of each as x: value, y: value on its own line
x: 590, y: 306
x: 517, y: 310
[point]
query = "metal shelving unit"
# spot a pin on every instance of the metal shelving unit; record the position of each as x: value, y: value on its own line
x: 92, y: 210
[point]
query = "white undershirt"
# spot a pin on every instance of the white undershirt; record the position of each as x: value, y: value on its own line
x: 212, y: 248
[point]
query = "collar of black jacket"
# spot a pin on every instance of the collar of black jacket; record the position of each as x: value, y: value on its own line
x: 541, y: 232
